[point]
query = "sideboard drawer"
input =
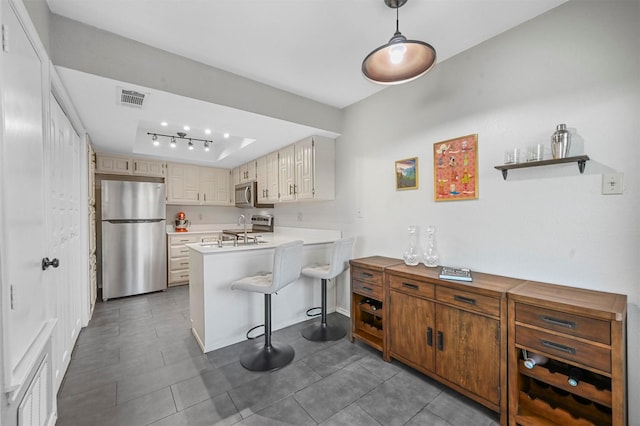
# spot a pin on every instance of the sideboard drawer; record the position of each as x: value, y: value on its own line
x: 412, y: 287
x: 564, y: 347
x: 367, y: 289
x: 374, y: 277
x: 468, y: 300
x: 574, y: 325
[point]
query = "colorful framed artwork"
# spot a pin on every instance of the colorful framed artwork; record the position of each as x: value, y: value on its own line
x: 407, y: 174
x: 455, y: 169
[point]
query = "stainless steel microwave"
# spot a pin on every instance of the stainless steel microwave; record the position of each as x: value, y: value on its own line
x: 247, y: 196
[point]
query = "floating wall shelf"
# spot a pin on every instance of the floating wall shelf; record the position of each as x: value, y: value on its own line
x: 580, y: 159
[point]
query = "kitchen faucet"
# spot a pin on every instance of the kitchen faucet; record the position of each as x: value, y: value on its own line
x: 242, y: 220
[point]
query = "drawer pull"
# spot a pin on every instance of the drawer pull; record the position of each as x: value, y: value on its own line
x: 430, y: 336
x: 411, y: 286
x: 367, y: 288
x: 561, y: 323
x: 440, y: 340
x: 559, y: 347
x: 184, y: 263
x: 367, y: 275
x: 464, y: 299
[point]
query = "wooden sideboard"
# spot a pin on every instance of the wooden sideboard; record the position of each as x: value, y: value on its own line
x: 582, y: 333
x: 469, y: 336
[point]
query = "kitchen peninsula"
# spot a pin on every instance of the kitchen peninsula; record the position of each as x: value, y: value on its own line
x: 220, y: 316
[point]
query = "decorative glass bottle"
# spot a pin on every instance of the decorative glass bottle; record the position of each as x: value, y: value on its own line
x: 411, y: 255
x: 431, y: 256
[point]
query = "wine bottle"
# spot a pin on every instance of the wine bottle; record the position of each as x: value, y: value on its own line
x: 575, y: 374
x: 533, y: 359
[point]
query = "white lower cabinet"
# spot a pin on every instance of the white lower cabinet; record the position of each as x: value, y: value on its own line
x: 178, y: 255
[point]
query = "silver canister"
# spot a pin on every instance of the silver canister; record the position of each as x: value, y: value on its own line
x: 560, y: 142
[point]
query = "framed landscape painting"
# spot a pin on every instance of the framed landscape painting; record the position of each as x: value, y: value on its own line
x: 407, y: 174
x: 455, y: 169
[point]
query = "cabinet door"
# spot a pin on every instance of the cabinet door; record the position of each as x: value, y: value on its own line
x: 286, y: 173
x: 221, y: 195
x: 272, y: 177
x: 468, y: 351
x: 304, y: 164
x: 113, y: 165
x: 261, y: 178
x: 411, y: 328
x: 148, y: 168
x: 183, y: 184
x: 236, y: 175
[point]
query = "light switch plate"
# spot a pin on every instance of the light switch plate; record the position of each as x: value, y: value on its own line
x: 612, y: 183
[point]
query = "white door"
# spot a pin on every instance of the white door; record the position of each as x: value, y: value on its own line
x: 63, y: 183
x: 23, y: 246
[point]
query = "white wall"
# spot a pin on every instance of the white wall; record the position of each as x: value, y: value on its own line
x: 578, y: 64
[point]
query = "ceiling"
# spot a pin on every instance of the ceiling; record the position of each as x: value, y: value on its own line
x: 312, y: 48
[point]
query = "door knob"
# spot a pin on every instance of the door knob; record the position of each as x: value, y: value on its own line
x: 46, y: 263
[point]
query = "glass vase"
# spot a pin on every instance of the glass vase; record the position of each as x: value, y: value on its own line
x: 431, y: 258
x: 411, y: 256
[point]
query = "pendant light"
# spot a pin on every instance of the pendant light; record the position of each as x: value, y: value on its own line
x: 400, y: 60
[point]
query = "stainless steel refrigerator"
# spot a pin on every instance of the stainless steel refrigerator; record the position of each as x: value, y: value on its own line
x: 134, y: 250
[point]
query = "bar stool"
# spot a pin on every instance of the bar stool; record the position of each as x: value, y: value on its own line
x: 287, y: 263
x: 340, y: 256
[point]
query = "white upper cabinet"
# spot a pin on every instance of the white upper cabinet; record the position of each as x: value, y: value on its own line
x: 286, y: 174
x: 193, y: 185
x: 112, y: 164
x: 245, y: 173
x: 149, y: 168
x: 306, y: 170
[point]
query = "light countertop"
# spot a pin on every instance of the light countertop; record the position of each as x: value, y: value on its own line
x: 268, y: 240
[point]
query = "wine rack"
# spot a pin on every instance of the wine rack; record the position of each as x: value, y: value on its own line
x: 580, y: 335
x: 368, y: 319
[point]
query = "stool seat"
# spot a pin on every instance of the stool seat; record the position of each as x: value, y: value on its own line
x: 287, y: 264
x: 340, y: 255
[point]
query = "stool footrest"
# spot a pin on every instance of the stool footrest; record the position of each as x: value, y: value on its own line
x: 309, y: 314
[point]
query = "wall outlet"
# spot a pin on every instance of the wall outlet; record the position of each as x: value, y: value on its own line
x: 612, y: 183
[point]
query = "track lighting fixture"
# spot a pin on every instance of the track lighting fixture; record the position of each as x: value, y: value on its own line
x: 400, y: 60
x: 180, y: 135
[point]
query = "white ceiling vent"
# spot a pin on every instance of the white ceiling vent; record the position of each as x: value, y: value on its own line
x: 130, y: 97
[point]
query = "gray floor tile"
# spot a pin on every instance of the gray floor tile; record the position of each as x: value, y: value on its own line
x: 138, y: 412
x: 327, y: 360
x: 208, y: 384
x: 87, y: 403
x: 350, y: 416
x: 218, y: 411
x: 335, y: 392
x: 427, y: 418
x: 398, y: 399
x: 141, y: 384
x: 283, y: 412
x: 459, y: 411
x: 272, y: 387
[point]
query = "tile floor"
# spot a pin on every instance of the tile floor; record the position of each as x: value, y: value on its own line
x: 138, y: 364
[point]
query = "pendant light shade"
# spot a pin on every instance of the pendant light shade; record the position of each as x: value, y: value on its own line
x: 400, y: 60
